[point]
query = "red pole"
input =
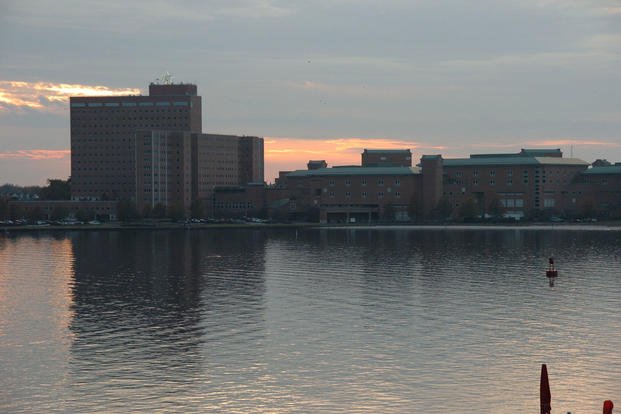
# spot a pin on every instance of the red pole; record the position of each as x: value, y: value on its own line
x: 608, y: 405
x: 545, y: 398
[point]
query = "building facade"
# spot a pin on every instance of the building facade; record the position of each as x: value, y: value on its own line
x: 514, y: 183
x: 527, y: 184
x: 151, y: 150
x: 103, y: 131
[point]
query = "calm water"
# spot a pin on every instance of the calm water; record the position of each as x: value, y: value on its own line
x: 331, y: 320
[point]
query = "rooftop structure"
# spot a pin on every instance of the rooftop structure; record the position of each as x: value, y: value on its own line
x: 386, y: 158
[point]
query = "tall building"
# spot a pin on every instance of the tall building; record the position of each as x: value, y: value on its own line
x: 163, y: 169
x: 251, y: 168
x: 103, y: 136
x: 151, y: 150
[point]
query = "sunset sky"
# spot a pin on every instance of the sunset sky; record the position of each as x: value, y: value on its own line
x: 322, y: 79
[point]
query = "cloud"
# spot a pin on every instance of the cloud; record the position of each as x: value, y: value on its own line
x: 121, y: 16
x: 559, y: 142
x: 49, y: 97
x: 36, y: 154
x: 290, y: 153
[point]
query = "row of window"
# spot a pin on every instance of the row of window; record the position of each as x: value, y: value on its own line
x: 84, y: 120
x: 364, y: 194
x: 363, y: 181
x: 127, y: 104
x: 233, y: 206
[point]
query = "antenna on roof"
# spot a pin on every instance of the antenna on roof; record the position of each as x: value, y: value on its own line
x: 165, y: 79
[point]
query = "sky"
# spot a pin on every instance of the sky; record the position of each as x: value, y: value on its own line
x: 322, y: 79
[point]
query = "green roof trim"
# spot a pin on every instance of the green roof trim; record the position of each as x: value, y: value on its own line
x: 521, y: 160
x: 611, y: 169
x: 344, y: 171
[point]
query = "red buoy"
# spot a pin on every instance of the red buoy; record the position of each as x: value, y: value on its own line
x: 551, y: 272
x: 608, y: 406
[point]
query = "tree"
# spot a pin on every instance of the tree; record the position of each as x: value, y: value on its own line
x: 85, y: 215
x: 311, y: 214
x: 587, y: 209
x: 126, y: 210
x: 197, y: 210
x: 15, y: 211
x: 59, y: 213
x: 147, y: 211
x: 495, y: 208
x: 414, y: 208
x: 159, y: 211
x: 57, y: 189
x: 4, y: 208
x: 35, y: 214
x: 389, y: 212
x: 175, y: 212
x: 444, y: 209
x: 467, y: 210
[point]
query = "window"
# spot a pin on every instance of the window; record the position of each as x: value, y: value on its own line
x: 348, y: 182
x: 548, y: 202
x: 363, y: 181
x: 380, y: 194
x: 331, y: 194
x: 364, y: 194
x: 475, y: 173
x: 492, y: 173
x: 397, y: 181
x: 331, y: 182
x: 380, y: 181
x: 347, y: 194
x: 397, y: 194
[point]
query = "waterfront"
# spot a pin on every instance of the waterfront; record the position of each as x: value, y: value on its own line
x: 428, y: 320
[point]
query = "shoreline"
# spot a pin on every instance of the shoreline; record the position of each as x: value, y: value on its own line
x: 30, y: 228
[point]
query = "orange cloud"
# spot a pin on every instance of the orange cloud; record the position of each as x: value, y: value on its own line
x: 286, y: 153
x: 49, y: 97
x: 37, y: 154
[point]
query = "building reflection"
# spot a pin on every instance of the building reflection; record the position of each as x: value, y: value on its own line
x: 146, y: 305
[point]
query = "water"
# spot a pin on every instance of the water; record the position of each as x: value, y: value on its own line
x: 308, y: 320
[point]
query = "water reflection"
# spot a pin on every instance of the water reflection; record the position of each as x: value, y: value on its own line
x: 313, y: 320
x: 143, y: 303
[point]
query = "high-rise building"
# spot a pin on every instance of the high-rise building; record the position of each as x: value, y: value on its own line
x: 150, y: 150
x: 103, y: 131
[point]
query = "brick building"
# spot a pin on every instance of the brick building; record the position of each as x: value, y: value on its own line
x: 151, y: 150
x: 103, y: 136
x: 520, y: 183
